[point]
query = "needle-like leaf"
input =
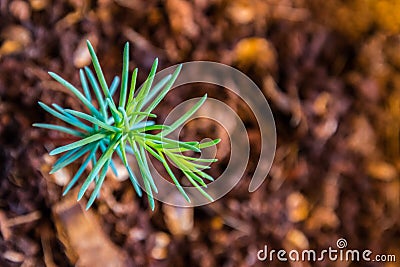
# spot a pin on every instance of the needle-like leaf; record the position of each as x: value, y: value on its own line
x: 59, y: 128
x: 93, y: 120
x: 172, y: 175
x: 85, y: 85
x: 99, y: 183
x: 79, y: 143
x: 80, y: 171
x: 185, y: 116
x: 97, y: 68
x: 76, y: 155
x: 124, y: 83
x: 75, y: 91
x: 100, y: 163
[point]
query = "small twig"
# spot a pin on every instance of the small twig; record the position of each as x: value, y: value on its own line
x: 229, y: 220
x: 47, y: 253
x: 141, y: 42
x: 30, y: 217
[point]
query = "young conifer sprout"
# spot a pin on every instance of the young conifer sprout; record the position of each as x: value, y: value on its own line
x: 114, y: 129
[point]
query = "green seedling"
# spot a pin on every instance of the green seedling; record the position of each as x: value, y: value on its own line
x: 110, y: 130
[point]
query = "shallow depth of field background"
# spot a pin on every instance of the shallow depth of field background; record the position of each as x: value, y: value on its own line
x: 329, y: 69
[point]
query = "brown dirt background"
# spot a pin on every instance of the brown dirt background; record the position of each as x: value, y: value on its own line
x: 330, y: 71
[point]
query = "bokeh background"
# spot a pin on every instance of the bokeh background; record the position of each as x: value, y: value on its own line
x: 330, y: 71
